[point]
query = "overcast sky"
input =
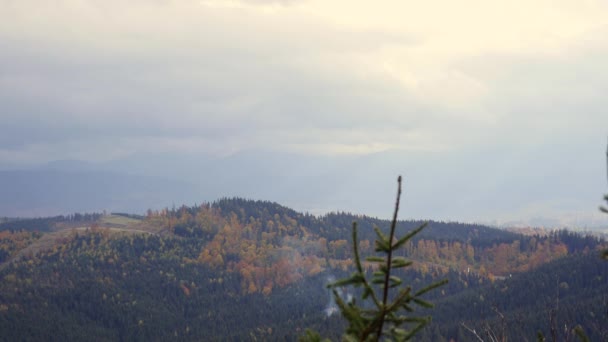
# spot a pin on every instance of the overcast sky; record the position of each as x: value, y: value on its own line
x: 104, y: 80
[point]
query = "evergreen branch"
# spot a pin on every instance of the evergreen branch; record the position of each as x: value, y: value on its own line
x: 410, y: 235
x: 416, y: 329
x: 368, y: 289
x: 431, y: 287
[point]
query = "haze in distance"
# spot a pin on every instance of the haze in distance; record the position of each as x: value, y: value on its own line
x: 493, y: 112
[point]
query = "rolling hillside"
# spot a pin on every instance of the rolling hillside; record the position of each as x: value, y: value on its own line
x: 240, y: 269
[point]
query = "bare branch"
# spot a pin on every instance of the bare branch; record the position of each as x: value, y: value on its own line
x: 472, y: 331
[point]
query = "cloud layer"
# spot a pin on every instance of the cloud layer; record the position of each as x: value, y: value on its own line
x: 106, y: 80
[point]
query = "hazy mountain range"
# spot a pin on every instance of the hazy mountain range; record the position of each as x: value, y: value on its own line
x: 462, y: 190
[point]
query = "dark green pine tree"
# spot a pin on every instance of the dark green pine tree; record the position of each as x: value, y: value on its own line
x: 389, y: 315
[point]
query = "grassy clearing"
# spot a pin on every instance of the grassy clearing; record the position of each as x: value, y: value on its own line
x: 118, y: 221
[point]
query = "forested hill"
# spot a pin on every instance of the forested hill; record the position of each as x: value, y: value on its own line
x: 235, y: 269
x: 338, y: 225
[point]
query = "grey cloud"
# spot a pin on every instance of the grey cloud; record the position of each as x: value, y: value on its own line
x: 183, y: 81
x: 196, y: 85
x: 545, y: 90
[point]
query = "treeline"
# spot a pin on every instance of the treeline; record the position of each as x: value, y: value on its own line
x: 127, y: 215
x: 46, y: 224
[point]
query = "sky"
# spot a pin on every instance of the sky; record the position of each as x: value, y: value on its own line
x: 507, y: 98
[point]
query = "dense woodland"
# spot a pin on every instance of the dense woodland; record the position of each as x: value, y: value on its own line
x: 238, y: 269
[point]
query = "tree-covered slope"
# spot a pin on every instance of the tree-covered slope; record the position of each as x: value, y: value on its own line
x: 237, y: 269
x: 553, y: 299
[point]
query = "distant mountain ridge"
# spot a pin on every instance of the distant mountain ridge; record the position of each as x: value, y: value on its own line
x: 33, y: 193
x: 464, y: 188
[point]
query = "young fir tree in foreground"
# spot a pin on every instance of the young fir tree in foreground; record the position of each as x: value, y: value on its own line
x: 387, y: 312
